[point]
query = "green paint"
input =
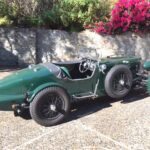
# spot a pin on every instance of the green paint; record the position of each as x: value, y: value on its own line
x: 14, y: 87
x: 147, y: 65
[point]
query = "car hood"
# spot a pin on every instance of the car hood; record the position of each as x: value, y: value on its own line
x: 20, y: 75
x: 29, y: 73
x: 24, y: 80
x: 120, y: 60
x: 13, y: 88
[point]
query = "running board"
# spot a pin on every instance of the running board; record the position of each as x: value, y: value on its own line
x: 84, y: 97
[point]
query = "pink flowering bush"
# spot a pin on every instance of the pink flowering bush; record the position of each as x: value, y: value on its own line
x: 127, y: 15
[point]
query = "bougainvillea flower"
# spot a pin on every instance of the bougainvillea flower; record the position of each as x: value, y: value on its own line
x: 127, y: 15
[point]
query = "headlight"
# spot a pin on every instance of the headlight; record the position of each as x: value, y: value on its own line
x: 103, y: 67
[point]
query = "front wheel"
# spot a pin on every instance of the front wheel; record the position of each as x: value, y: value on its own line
x: 50, y: 106
x: 118, y: 81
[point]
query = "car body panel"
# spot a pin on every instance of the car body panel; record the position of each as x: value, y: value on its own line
x: 147, y: 65
x: 148, y: 85
x: 26, y: 83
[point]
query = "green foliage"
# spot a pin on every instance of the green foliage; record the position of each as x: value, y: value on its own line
x: 4, y: 21
x: 55, y: 14
x: 24, y: 12
x: 71, y: 13
x: 4, y: 13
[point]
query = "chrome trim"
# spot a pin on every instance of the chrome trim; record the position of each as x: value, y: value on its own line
x: 83, y: 97
x: 96, y: 87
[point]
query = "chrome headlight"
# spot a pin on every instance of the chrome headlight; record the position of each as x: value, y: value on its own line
x: 102, y: 68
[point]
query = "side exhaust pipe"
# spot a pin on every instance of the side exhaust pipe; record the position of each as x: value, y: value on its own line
x: 19, y: 109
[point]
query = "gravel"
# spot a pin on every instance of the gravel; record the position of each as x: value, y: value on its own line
x: 93, y: 124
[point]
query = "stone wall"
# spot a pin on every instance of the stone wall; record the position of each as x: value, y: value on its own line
x: 17, y: 47
x: 26, y: 46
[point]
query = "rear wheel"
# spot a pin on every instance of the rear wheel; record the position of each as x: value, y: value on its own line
x: 118, y: 81
x: 50, y: 106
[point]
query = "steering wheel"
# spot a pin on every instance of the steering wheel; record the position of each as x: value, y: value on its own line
x: 84, y: 65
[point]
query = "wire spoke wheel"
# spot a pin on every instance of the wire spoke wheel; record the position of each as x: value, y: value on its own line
x: 50, y: 106
x: 118, y: 81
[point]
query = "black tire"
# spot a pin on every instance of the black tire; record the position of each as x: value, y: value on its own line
x: 124, y: 81
x: 50, y: 106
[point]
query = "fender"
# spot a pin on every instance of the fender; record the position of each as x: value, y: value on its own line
x: 43, y: 86
x: 148, y: 84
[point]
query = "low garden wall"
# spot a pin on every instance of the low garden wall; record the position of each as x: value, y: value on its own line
x: 21, y: 47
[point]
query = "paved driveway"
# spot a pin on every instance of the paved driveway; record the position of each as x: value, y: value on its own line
x: 93, y: 124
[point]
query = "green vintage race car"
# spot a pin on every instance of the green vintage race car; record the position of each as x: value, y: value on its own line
x: 48, y: 89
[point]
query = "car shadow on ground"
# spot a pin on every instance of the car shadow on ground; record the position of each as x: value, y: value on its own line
x: 135, y: 95
x: 86, y: 107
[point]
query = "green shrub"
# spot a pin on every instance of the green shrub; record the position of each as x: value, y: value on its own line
x: 76, y: 13
x: 55, y: 14
x: 4, y: 21
x: 26, y: 12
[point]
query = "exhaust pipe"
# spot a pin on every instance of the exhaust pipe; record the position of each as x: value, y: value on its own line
x: 17, y: 109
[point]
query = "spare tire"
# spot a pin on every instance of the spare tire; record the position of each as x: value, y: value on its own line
x: 118, y: 81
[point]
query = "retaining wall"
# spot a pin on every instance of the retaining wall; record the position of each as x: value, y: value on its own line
x: 21, y: 47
